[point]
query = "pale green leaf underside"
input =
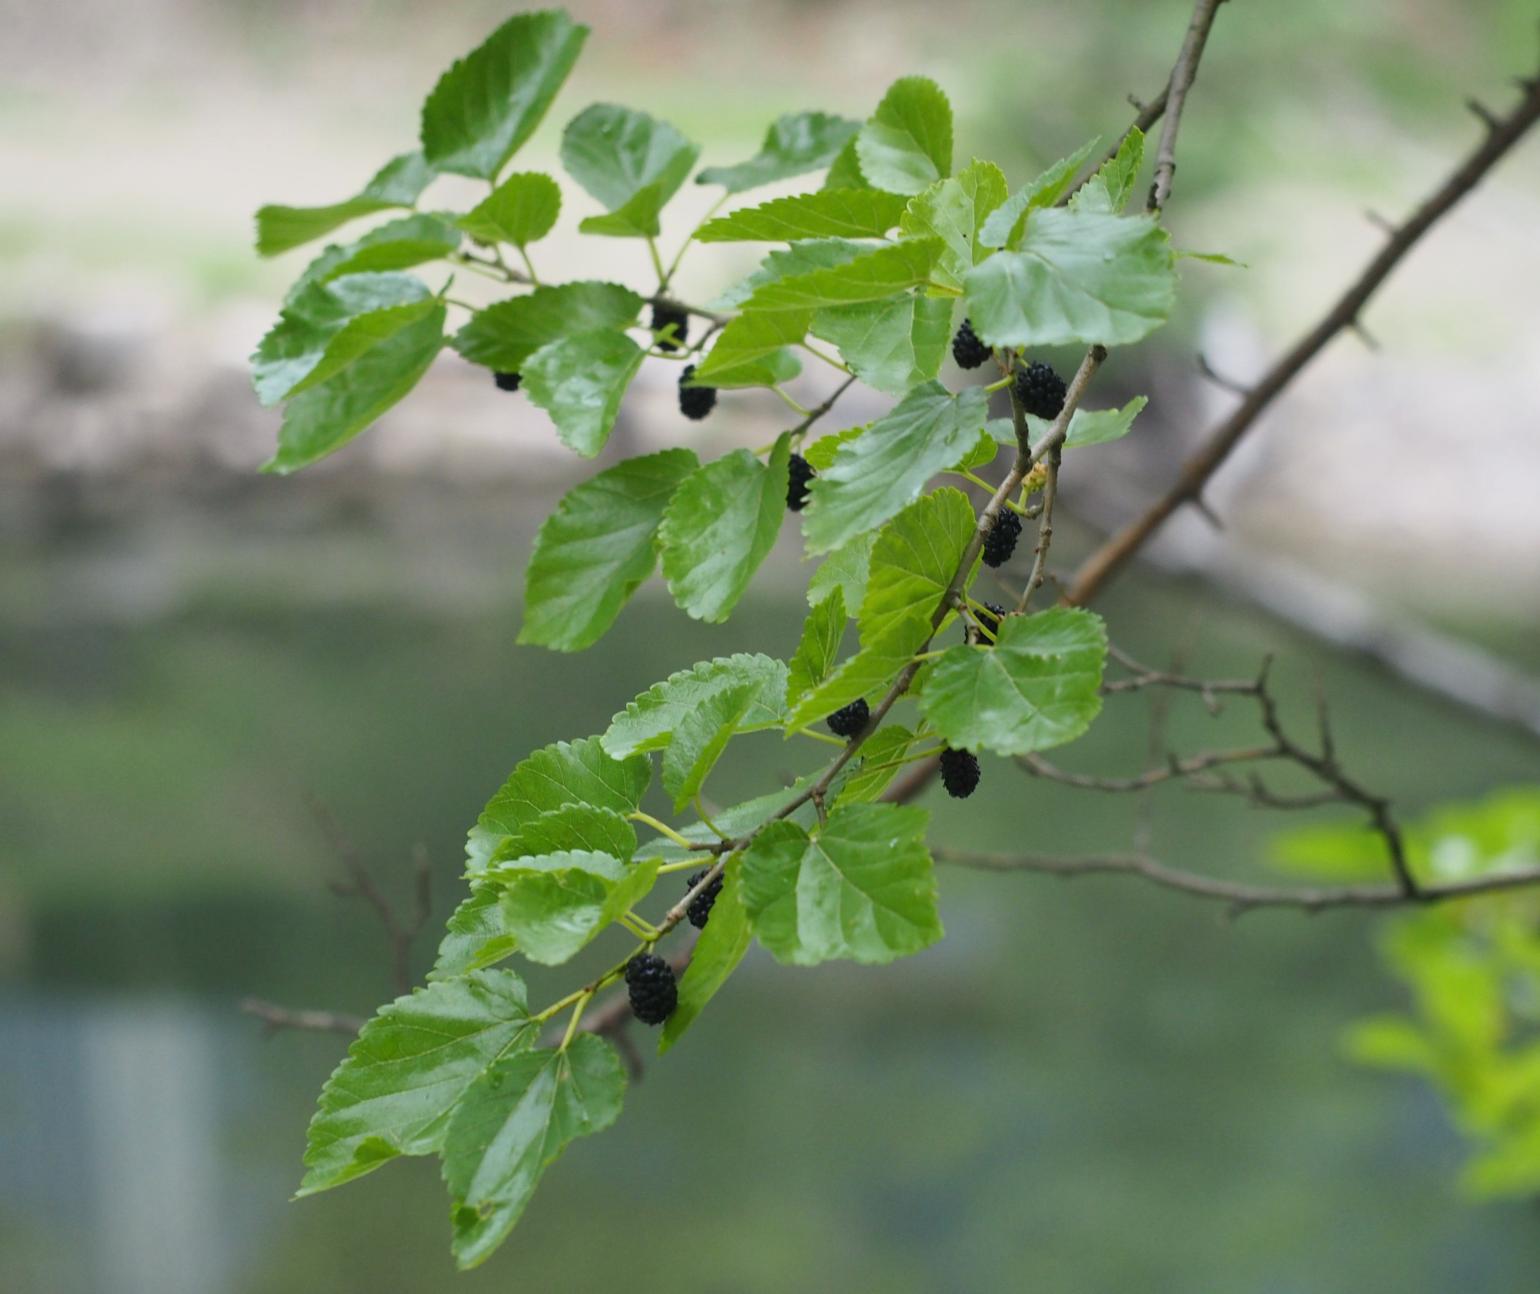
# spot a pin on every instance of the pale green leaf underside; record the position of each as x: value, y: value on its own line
x: 475, y: 936
x: 718, y: 951
x: 648, y: 723
x: 890, y: 345
x: 701, y: 737
x: 580, y: 381
x: 505, y: 334
x: 521, y: 210
x: 1080, y: 276
x: 877, y: 765
x: 863, y: 889
x: 822, y: 633
x: 844, y: 569
x: 631, y: 162
x: 403, y: 1075
x: 489, y: 102
x: 751, y: 350
x: 597, y: 548
x: 907, y: 144
x: 795, y: 144
x: 954, y: 210
x: 513, y: 1124
x: 719, y: 526
x: 325, y: 417
x: 294, y: 345
x: 554, y: 904
x: 1038, y: 686
x: 1004, y: 226
x: 578, y: 772
x: 884, y: 468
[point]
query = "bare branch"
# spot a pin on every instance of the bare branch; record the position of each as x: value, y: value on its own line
x: 1240, y: 897
x: 1182, y: 77
x: 1111, y: 556
x: 275, y: 1018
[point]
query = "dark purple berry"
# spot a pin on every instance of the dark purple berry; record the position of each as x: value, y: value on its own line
x: 959, y: 772
x: 799, y: 476
x: 663, y: 315
x: 695, y: 402
x: 967, y: 349
x: 652, y: 988
x: 507, y: 381
x: 850, y: 719
x: 1040, y: 390
x: 989, y: 619
x: 700, y: 906
x: 1000, y: 543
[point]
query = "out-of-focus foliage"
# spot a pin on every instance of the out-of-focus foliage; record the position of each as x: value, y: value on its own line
x: 1473, y: 972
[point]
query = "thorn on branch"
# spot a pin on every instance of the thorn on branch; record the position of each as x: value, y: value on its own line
x: 1218, y: 379
x: 1488, y: 118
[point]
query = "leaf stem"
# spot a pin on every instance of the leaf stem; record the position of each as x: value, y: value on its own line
x: 662, y: 828
x: 577, y: 1014
x: 792, y: 404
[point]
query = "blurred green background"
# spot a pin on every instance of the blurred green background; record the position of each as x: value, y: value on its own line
x: 1088, y: 1086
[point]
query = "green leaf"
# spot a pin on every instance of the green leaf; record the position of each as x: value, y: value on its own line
x: 1113, y: 184
x: 862, y: 889
x: 513, y: 1124
x: 1080, y: 276
x: 1086, y: 427
x: 1093, y: 426
x: 565, y: 773
x: 845, y: 170
x: 406, y: 1071
x: 360, y: 335
x: 505, y: 334
x: 648, y: 723
x: 785, y: 262
x: 844, y: 569
x: 398, y: 183
x: 521, y: 210
x: 719, y: 526
x: 795, y: 144
x: 891, y: 345
x: 489, y: 102
x: 888, y: 464
x: 296, y: 343
x: 889, y: 744
x: 911, y: 565
x: 1038, y: 686
x: 751, y: 350
x: 822, y: 634
x: 554, y: 904
x: 954, y: 210
x: 475, y: 936
x: 823, y: 451
x: 580, y: 381
x: 701, y: 736
x: 597, y: 548
x: 882, y: 272
x: 907, y: 144
x: 632, y: 163
x: 327, y: 416
x: 571, y: 827
x: 395, y: 245
x: 718, y: 951
x: 829, y: 213
x: 1005, y: 225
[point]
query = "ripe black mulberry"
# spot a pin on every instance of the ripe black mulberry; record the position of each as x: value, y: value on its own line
x: 989, y: 619
x: 652, y: 988
x: 850, y: 719
x: 1040, y: 390
x: 959, y: 772
x: 507, y: 381
x: 695, y: 402
x: 1000, y: 543
x: 700, y: 906
x: 799, y: 475
x: 662, y: 316
x: 967, y: 349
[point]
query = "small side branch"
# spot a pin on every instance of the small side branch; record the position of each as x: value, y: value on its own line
x: 1241, y: 898
x: 1182, y: 77
x: 275, y: 1018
